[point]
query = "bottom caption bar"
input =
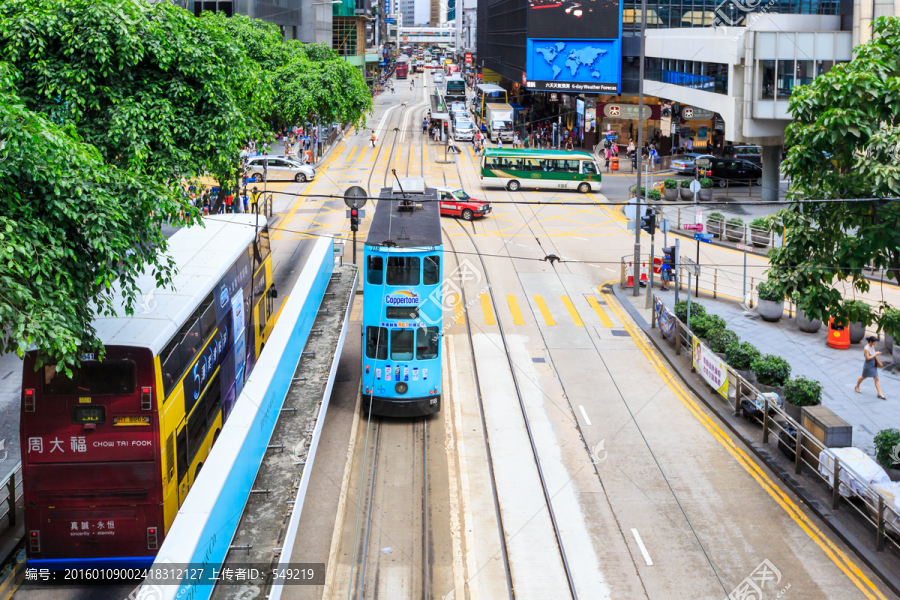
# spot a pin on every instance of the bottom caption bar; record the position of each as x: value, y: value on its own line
x: 190, y: 574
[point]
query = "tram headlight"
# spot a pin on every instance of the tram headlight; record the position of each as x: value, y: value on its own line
x: 401, y: 387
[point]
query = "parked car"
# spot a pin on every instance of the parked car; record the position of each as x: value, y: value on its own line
x: 730, y: 170
x: 276, y: 168
x: 686, y: 165
x: 454, y: 202
x: 744, y: 152
x: 463, y: 129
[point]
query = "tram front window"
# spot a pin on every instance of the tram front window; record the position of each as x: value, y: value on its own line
x: 427, y: 340
x: 403, y: 270
x: 375, y: 270
x: 402, y: 344
x: 376, y: 343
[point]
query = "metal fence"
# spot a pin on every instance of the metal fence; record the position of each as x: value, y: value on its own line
x: 793, y: 439
x: 11, y: 491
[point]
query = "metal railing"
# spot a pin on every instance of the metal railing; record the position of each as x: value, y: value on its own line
x: 263, y: 204
x: 793, y: 439
x: 11, y: 491
x: 741, y: 234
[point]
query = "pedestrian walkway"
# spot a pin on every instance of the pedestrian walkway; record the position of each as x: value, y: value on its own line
x: 811, y: 357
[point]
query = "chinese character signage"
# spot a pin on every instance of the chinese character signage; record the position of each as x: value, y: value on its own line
x: 713, y: 368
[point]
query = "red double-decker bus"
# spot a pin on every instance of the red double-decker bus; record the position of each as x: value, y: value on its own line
x: 111, y: 452
x: 402, y: 67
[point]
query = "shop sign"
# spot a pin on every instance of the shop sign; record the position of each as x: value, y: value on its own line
x: 691, y: 113
x: 468, y: 58
x: 553, y: 97
x: 626, y: 111
x: 579, y: 106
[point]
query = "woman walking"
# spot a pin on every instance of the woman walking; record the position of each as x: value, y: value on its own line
x: 870, y: 367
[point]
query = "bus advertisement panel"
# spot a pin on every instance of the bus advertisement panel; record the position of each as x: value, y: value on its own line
x: 574, y: 46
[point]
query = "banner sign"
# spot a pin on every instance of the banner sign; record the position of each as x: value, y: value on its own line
x: 713, y: 369
x: 665, y: 319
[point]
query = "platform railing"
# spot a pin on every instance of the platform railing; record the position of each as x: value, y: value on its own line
x: 869, y: 503
x: 11, y: 491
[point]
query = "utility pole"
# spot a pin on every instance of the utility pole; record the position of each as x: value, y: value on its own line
x: 640, y: 145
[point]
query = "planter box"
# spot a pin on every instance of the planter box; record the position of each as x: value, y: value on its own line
x: 770, y: 311
x: 734, y: 233
x: 714, y: 227
x: 772, y: 389
x: 831, y: 430
x: 793, y: 411
x: 706, y: 195
x: 895, y: 354
x: 889, y: 343
x: 670, y: 195
x: 760, y: 239
x: 894, y: 474
x: 749, y: 376
x: 686, y: 194
x: 807, y: 325
x: 857, y: 333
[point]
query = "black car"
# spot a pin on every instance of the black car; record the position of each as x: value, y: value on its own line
x: 731, y: 170
x: 749, y: 152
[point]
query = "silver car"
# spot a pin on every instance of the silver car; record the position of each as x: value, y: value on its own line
x: 279, y: 168
x: 463, y: 129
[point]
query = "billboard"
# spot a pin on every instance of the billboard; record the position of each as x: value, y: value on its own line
x: 574, y: 46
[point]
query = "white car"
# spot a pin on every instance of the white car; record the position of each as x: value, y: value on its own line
x: 274, y: 168
x: 463, y: 129
x: 457, y: 105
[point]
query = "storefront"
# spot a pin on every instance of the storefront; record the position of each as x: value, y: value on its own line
x: 699, y: 125
x: 623, y: 119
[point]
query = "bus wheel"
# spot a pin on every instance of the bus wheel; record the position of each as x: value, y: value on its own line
x: 215, y: 437
x: 584, y: 187
x: 467, y: 215
x: 197, y: 472
x: 513, y: 186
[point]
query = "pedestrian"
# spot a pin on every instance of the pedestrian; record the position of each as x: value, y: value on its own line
x: 373, y: 138
x: 608, y: 154
x: 245, y: 201
x: 424, y: 126
x: 229, y: 200
x: 526, y: 142
x: 630, y: 150
x: 499, y: 143
x: 516, y: 140
x: 870, y: 366
x: 689, y: 144
x: 665, y: 274
x: 569, y: 146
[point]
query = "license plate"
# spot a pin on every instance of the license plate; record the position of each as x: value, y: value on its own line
x: 131, y: 420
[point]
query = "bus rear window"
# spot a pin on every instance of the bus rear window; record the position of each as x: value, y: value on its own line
x: 92, y: 378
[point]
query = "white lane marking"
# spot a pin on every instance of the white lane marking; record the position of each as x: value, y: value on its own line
x: 380, y: 127
x: 640, y: 543
x: 584, y: 414
x: 459, y: 579
x: 610, y: 270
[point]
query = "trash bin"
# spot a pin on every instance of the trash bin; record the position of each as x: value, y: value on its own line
x: 614, y: 163
x: 838, y: 335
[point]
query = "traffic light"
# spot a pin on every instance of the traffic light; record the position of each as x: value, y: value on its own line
x: 648, y: 222
x: 354, y: 219
x: 669, y: 257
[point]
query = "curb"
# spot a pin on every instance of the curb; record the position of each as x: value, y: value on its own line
x: 870, y: 558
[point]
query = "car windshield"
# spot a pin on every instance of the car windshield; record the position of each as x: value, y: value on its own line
x: 460, y: 195
x: 464, y: 125
x: 502, y: 125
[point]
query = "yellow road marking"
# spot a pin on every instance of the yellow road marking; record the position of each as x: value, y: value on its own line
x: 486, y: 308
x: 514, y: 309
x: 412, y: 154
x: 357, y: 308
x: 386, y: 153
x: 542, y: 306
x: 362, y: 154
x: 600, y: 312
x: 399, y: 153
x: 571, y: 308
x: 352, y: 152
x: 833, y: 552
x: 458, y: 316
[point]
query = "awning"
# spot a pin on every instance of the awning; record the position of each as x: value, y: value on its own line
x: 441, y: 116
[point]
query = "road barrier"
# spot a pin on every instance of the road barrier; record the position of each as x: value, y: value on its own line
x: 202, y: 531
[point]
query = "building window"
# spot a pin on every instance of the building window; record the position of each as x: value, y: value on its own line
x: 767, y: 90
x: 698, y: 75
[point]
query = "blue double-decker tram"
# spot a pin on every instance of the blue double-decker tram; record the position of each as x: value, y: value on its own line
x: 402, y: 303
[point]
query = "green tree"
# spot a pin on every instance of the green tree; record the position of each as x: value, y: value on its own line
x: 153, y: 88
x: 309, y: 81
x: 844, y: 143
x: 75, y: 232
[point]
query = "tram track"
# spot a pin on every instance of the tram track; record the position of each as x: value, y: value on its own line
x: 506, y: 349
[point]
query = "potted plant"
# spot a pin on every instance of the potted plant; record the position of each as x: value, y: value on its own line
x: 800, y: 392
x: 680, y: 310
x: 706, y: 185
x: 719, y: 339
x: 734, y: 229
x: 702, y: 325
x: 715, y: 224
x: 887, y: 451
x: 686, y: 193
x: 862, y: 312
x: 759, y: 232
x: 671, y: 189
x: 772, y: 372
x: 654, y: 195
x: 740, y: 357
x: 771, y: 302
x: 805, y: 324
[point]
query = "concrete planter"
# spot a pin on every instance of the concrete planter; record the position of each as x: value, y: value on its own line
x: 889, y: 343
x: 793, y: 411
x: 760, y: 239
x: 670, y: 195
x: 857, y: 333
x: 749, y: 376
x: 772, y: 389
x: 895, y: 354
x: 734, y: 233
x: 807, y: 325
x: 705, y: 195
x: 894, y: 474
x: 686, y: 194
x: 714, y: 227
x: 770, y: 311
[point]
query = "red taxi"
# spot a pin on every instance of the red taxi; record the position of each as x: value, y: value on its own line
x: 456, y: 203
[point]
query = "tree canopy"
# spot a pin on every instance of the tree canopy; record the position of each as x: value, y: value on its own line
x: 844, y: 144
x: 106, y: 108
